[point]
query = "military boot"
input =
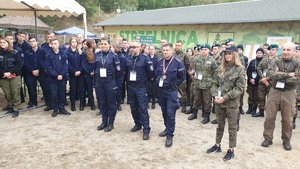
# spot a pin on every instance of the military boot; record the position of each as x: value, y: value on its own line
x: 253, y: 112
x: 190, y: 111
x: 183, y: 108
x: 250, y: 108
x: 194, y: 114
x: 259, y: 114
x: 73, y: 106
x: 294, y: 122
x: 206, y: 118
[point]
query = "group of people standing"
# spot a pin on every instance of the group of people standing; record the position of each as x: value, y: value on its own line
x: 208, y: 78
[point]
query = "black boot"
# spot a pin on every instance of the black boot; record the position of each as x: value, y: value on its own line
x: 169, y: 141
x: 206, y: 118
x: 81, y: 105
x: 190, y: 111
x: 73, y: 106
x: 15, y: 113
x: 109, y: 127
x: 250, y: 109
x: 241, y: 110
x: 253, y: 112
x: 194, y: 114
x: 294, y: 122
x: 93, y: 106
x: 259, y: 114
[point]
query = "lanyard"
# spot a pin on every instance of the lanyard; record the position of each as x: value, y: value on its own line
x: 103, y: 61
x: 133, y: 68
x: 164, y: 68
x: 284, y: 66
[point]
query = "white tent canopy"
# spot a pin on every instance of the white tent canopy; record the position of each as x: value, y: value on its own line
x: 43, y: 8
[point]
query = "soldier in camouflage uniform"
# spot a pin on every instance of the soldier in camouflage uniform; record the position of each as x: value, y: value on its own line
x: 282, y: 96
x: 244, y: 61
x: 160, y: 52
x: 204, y: 72
x: 265, y: 66
x: 183, y: 57
x: 228, y: 86
x: 298, y: 90
x: 218, y: 59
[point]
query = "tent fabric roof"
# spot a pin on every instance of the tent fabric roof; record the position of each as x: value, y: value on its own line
x: 43, y: 7
x: 22, y: 22
x: 73, y: 31
x: 236, y: 12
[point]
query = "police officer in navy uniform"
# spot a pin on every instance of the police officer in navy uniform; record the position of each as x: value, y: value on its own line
x: 120, y: 74
x: 57, y: 68
x: 107, y: 64
x: 151, y: 89
x: 75, y: 76
x: 140, y: 69
x: 34, y: 66
x: 170, y: 74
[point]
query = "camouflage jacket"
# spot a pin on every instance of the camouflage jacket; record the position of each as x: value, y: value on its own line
x: 266, y: 66
x: 184, y: 58
x: 244, y: 60
x: 204, y: 71
x: 218, y: 60
x: 231, y: 85
x: 281, y: 74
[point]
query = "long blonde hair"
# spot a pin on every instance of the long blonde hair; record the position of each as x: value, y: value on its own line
x: 236, y: 62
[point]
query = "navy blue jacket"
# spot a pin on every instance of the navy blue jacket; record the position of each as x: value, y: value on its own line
x: 10, y: 61
x: 34, y: 60
x: 87, y: 67
x: 142, y: 66
x: 56, y: 64
x: 175, y: 73
x: 252, y: 68
x: 154, y: 60
x: 74, y: 61
x: 110, y: 61
x: 45, y: 46
x: 24, y: 46
x: 120, y: 74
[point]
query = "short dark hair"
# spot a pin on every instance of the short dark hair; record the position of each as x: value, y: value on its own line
x: 179, y: 41
x: 8, y: 34
x: 32, y: 37
x: 105, y: 39
x: 168, y: 45
x: 124, y: 39
x: 22, y: 32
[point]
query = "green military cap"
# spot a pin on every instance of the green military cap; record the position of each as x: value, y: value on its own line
x: 205, y: 46
x: 298, y: 48
x: 228, y: 40
x: 197, y: 47
x: 273, y: 46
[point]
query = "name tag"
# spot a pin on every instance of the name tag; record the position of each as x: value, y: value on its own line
x: 132, y: 76
x: 103, y: 72
x: 254, y: 75
x: 219, y: 92
x: 265, y: 72
x: 199, y: 76
x: 161, y: 82
x: 280, y: 85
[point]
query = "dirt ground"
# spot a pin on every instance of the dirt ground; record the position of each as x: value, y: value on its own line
x: 35, y: 140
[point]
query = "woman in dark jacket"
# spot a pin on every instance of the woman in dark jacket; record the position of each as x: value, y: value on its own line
x: 10, y: 70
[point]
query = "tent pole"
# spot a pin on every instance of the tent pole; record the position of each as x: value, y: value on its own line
x: 35, y: 23
x: 84, y: 25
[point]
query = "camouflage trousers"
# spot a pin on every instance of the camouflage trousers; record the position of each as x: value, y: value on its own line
x: 202, y: 97
x: 253, y: 96
x: 283, y: 101
x: 262, y: 94
x: 231, y: 114
x: 182, y: 90
x: 190, y: 92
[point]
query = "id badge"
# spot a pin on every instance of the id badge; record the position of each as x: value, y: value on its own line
x: 161, y: 82
x: 280, y: 85
x: 254, y: 75
x: 265, y: 72
x: 132, y: 76
x: 219, y: 92
x: 103, y: 72
x: 199, y: 76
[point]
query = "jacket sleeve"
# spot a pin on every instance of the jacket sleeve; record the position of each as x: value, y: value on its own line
x: 64, y: 71
x: 238, y: 88
x: 27, y: 64
x: 18, y: 63
x: 70, y: 67
x: 181, y: 74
